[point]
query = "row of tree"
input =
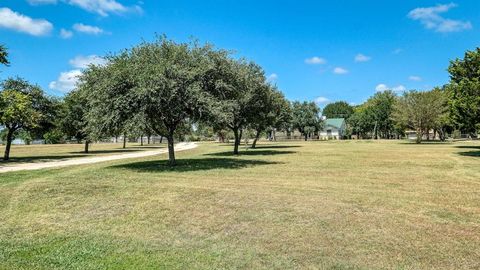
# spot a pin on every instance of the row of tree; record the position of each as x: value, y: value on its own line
x: 455, y: 107
x: 167, y: 88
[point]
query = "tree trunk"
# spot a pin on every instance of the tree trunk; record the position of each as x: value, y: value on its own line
x: 9, y: 144
x: 306, y: 136
x: 254, y: 144
x: 161, y: 139
x: 419, y: 136
x: 124, y: 141
x: 274, y: 135
x: 171, y: 150
x: 141, y: 140
x: 148, y: 139
x: 87, y: 142
x: 238, y: 139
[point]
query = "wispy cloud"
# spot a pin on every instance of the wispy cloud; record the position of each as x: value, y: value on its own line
x: 100, y: 7
x: 65, y: 34
x: 383, y: 87
x: 272, y: 77
x: 315, y: 61
x: 362, y: 58
x: 67, y: 81
x: 12, y: 20
x: 81, y: 61
x: 397, y: 51
x: 415, y: 78
x: 430, y: 18
x: 87, y: 29
x: 321, y: 100
x: 340, y: 71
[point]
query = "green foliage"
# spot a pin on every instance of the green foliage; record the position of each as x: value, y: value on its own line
x: 421, y: 111
x: 339, y: 109
x: 54, y: 136
x: 306, y: 117
x: 464, y: 92
x: 73, y: 120
x: 17, y: 111
x: 47, y: 107
x: 25, y: 136
x: 4, y: 55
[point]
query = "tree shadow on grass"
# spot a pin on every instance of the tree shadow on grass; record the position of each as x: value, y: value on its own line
x: 34, y: 159
x: 468, y: 146
x: 276, y: 146
x: 252, y: 152
x: 470, y: 154
x: 189, y: 165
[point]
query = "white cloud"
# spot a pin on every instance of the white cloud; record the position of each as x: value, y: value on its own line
x: 397, y: 51
x: 10, y: 19
x: 315, y: 61
x: 431, y: 19
x: 67, y: 81
x: 321, y: 100
x: 66, y: 34
x: 103, y: 7
x: 415, y: 78
x: 87, y: 29
x: 272, y: 77
x: 41, y: 2
x: 84, y: 61
x: 362, y: 58
x: 383, y: 87
x: 340, y: 71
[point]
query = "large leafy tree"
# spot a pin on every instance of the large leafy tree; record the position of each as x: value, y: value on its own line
x: 110, y: 96
x: 380, y: 108
x: 170, y: 86
x: 339, y: 109
x: 306, y: 117
x: 47, y: 106
x: 270, y: 111
x: 4, y: 55
x: 16, y: 112
x: 421, y: 111
x: 360, y: 122
x: 73, y: 120
x: 464, y: 92
x: 237, y: 86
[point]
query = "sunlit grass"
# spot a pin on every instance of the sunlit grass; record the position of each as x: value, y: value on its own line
x: 341, y: 205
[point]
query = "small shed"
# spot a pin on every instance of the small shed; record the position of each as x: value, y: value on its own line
x: 334, y: 129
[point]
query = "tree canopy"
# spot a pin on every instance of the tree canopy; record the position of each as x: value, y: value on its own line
x: 339, y: 109
x: 306, y: 117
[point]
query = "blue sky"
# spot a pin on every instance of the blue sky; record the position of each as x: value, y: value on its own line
x: 313, y: 50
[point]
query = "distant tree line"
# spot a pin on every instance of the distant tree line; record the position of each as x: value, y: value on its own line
x: 178, y: 90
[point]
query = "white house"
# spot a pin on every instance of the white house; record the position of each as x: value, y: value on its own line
x: 334, y: 129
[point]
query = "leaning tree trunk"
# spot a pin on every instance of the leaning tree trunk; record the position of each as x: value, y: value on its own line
x: 9, y: 144
x: 254, y: 144
x: 171, y: 150
x: 87, y: 144
x: 124, y: 141
x: 161, y: 139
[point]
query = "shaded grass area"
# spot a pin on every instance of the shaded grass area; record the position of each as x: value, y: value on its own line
x: 44, y: 153
x: 327, y: 205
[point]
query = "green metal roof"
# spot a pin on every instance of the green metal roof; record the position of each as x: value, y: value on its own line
x: 335, y: 122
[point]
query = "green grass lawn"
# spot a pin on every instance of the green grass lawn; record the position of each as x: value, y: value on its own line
x: 334, y: 205
x: 42, y: 152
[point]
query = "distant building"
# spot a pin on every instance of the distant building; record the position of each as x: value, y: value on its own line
x: 334, y: 129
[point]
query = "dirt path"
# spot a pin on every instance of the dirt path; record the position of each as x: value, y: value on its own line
x: 90, y: 160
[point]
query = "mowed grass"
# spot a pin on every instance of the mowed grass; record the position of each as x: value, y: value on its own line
x: 314, y: 205
x: 55, y: 152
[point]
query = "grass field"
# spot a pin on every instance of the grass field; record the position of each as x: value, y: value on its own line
x: 42, y: 152
x: 327, y: 205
